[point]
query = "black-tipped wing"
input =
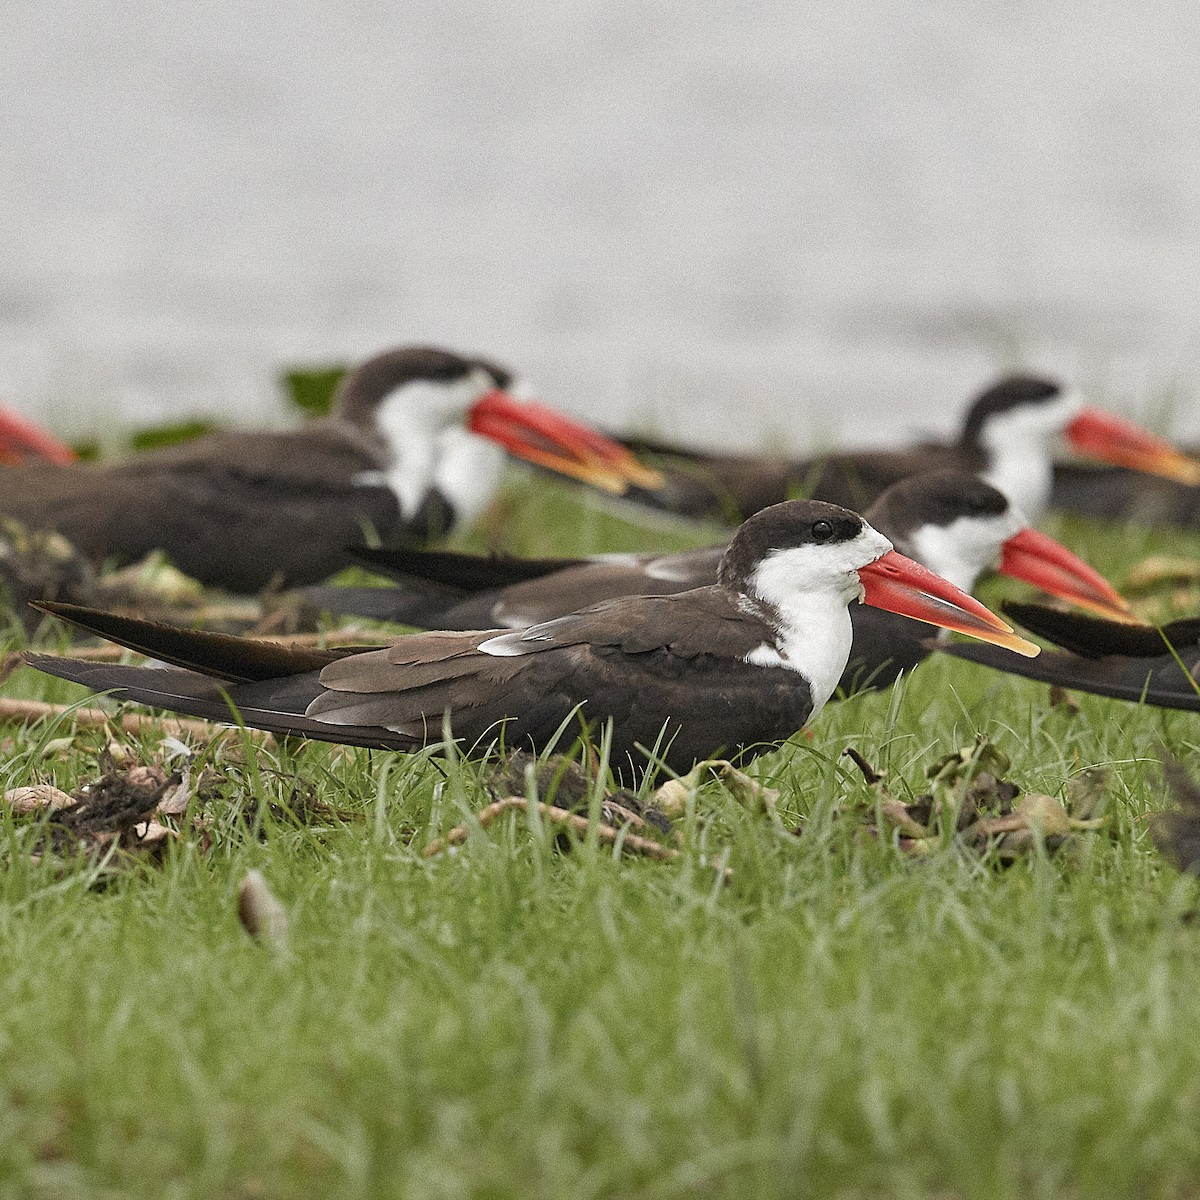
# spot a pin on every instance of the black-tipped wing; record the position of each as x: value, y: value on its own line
x: 462, y: 572
x: 1116, y: 493
x: 427, y: 600
x: 732, y: 487
x: 1158, y: 681
x: 648, y: 663
x: 1106, y: 658
x: 274, y: 705
x: 424, y: 606
x: 216, y: 655
x: 1096, y: 637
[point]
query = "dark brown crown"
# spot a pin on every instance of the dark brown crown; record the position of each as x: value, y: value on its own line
x: 934, y: 498
x: 1017, y: 391
x: 784, y: 527
x: 359, y: 393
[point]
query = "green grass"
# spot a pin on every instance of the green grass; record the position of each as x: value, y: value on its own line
x: 511, y: 1020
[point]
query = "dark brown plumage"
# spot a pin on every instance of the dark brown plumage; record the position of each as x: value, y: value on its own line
x: 1010, y: 436
x: 649, y: 658
x: 1118, y: 494
x: 233, y: 510
x: 243, y: 510
x: 730, y: 487
x: 444, y: 590
x: 660, y: 667
x: 726, y: 668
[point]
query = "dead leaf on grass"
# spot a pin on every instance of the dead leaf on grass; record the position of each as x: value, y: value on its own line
x: 261, y: 912
x: 37, y: 797
x: 672, y: 798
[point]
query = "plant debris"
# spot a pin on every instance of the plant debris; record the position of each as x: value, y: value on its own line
x: 561, y: 782
x: 972, y: 805
x: 672, y: 798
x: 132, y: 808
x: 39, y: 797
x: 115, y: 811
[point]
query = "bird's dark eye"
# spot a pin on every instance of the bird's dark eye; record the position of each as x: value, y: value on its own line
x: 822, y: 531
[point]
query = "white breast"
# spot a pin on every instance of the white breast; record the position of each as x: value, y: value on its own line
x: 818, y: 648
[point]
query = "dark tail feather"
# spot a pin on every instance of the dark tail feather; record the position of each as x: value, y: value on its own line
x: 1160, y: 682
x: 467, y: 573
x: 1095, y: 637
x: 276, y: 706
x: 406, y: 605
x: 233, y: 659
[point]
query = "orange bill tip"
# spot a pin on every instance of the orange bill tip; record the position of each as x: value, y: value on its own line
x: 1114, y: 440
x: 900, y: 585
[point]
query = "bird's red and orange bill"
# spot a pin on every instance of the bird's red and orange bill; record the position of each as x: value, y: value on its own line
x: 900, y: 585
x: 1039, y: 560
x: 549, y: 439
x: 1114, y: 440
x: 22, y: 439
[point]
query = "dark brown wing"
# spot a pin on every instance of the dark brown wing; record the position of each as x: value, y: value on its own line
x: 884, y: 645
x: 732, y: 487
x: 216, y: 655
x: 275, y: 705
x: 1115, y: 493
x: 424, y: 602
x: 648, y: 663
x: 464, y: 573
x: 601, y: 579
x: 232, y: 510
x: 1096, y: 637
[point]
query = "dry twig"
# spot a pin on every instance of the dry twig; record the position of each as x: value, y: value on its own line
x: 558, y: 816
x: 29, y: 712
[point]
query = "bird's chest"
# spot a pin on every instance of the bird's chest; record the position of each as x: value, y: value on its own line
x: 455, y: 465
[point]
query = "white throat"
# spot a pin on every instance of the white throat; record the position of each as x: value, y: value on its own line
x: 429, y: 447
x: 810, y: 588
x: 968, y: 546
x: 1020, y: 446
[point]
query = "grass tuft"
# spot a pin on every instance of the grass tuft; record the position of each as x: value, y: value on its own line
x: 509, y: 1019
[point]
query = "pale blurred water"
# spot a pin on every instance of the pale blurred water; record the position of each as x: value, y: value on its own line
x: 737, y: 224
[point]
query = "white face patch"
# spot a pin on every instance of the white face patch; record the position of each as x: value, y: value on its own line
x: 968, y: 546
x: 810, y: 588
x: 1020, y: 445
x: 422, y: 424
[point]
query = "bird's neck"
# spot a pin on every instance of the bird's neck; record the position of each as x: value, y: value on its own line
x: 1023, y: 469
x: 417, y: 457
x: 813, y: 634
